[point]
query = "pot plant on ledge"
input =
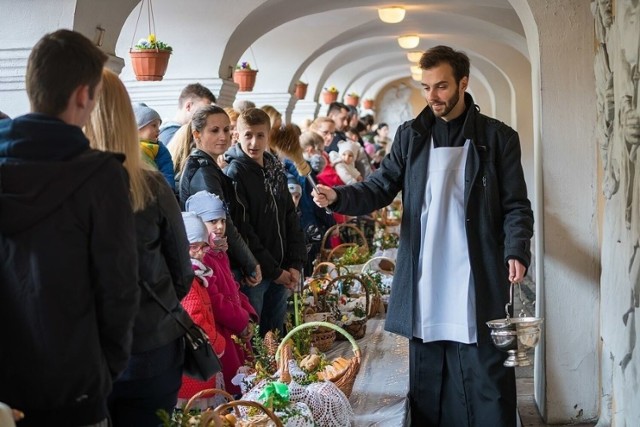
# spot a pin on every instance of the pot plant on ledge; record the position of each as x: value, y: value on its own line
x: 330, y: 95
x: 245, y: 77
x: 352, y: 99
x: 149, y: 58
x: 301, y: 89
x: 367, y: 104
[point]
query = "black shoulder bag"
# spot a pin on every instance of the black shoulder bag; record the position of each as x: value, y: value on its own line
x: 200, y: 361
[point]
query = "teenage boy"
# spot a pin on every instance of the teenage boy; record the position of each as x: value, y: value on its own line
x: 68, y: 266
x: 273, y: 228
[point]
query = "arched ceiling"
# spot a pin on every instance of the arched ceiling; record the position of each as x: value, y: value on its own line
x: 337, y: 43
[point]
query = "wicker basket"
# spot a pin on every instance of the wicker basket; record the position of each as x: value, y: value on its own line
x: 345, y: 381
x: 322, y: 337
x: 357, y: 328
x: 385, y: 266
x: 207, y: 417
x: 255, y: 421
x: 325, y: 253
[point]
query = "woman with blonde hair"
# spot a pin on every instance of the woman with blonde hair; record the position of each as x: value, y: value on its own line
x: 153, y: 376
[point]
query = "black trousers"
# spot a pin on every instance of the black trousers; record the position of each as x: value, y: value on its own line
x: 460, y: 385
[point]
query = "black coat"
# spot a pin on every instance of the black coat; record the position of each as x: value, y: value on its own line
x: 68, y: 272
x: 164, y: 264
x: 274, y: 231
x: 201, y: 172
x: 499, y: 220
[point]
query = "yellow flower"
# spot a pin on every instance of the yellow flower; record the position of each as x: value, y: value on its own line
x: 152, y: 38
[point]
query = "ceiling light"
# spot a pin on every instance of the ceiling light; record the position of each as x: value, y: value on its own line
x: 391, y: 15
x: 415, y: 69
x: 414, y: 55
x: 408, y: 42
x: 416, y: 77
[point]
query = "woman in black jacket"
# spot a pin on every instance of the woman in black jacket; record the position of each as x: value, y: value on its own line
x: 154, y: 373
x: 210, y: 134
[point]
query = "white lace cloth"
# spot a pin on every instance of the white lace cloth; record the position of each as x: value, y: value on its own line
x: 329, y: 406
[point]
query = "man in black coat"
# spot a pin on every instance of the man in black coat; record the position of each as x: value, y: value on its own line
x: 465, y: 235
x: 68, y: 265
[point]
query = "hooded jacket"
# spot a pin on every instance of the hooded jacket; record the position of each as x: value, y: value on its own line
x: 498, y: 216
x: 68, y: 275
x: 273, y: 227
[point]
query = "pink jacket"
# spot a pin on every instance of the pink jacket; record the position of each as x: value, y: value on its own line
x: 198, y: 304
x: 232, y: 311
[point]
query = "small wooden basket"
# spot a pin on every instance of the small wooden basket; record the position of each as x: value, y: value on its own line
x: 356, y: 328
x: 256, y: 421
x: 207, y: 416
x: 385, y: 266
x: 345, y: 381
x: 326, y: 253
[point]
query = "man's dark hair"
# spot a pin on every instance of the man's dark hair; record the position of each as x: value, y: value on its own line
x: 195, y: 90
x: 3, y: 116
x: 458, y: 61
x: 367, y: 119
x: 336, y: 107
x: 58, y: 64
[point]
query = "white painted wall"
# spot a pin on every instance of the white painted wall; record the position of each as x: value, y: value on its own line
x: 570, y: 263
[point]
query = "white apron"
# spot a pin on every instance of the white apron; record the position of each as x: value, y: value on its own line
x: 444, y: 307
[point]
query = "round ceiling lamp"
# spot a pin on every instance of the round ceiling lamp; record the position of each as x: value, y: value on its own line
x: 414, y: 55
x: 391, y: 15
x: 415, y: 69
x: 408, y: 42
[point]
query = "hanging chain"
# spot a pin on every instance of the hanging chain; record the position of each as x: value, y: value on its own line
x: 136, y: 27
x: 255, y: 63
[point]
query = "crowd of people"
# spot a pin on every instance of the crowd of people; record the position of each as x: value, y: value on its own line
x: 129, y: 214
x: 118, y: 229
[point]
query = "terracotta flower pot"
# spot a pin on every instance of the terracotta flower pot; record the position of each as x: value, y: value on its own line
x: 149, y: 64
x: 329, y: 97
x: 352, y: 100
x: 301, y: 90
x: 367, y: 104
x: 245, y: 79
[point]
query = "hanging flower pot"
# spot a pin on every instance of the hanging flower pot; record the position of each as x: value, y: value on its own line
x: 148, y: 64
x: 301, y: 90
x: 330, y: 95
x: 149, y: 57
x: 352, y: 99
x: 245, y: 77
x: 367, y: 104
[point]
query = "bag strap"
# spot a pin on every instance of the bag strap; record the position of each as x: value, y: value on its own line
x: 161, y: 304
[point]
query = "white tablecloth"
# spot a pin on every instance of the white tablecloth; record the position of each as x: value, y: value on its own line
x: 380, y: 389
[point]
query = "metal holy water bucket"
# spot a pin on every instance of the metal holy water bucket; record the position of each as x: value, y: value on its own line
x: 515, y: 335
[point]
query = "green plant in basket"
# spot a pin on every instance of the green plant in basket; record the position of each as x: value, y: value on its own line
x: 353, y: 255
x: 373, y: 279
x: 384, y: 240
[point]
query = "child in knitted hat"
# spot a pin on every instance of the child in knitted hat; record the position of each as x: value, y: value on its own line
x: 198, y: 304
x: 344, y: 162
x: 232, y: 308
x: 153, y: 152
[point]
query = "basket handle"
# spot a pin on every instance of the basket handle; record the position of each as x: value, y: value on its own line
x: 354, y: 345
x: 209, y: 392
x: 217, y: 419
x: 346, y: 225
x: 355, y: 277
